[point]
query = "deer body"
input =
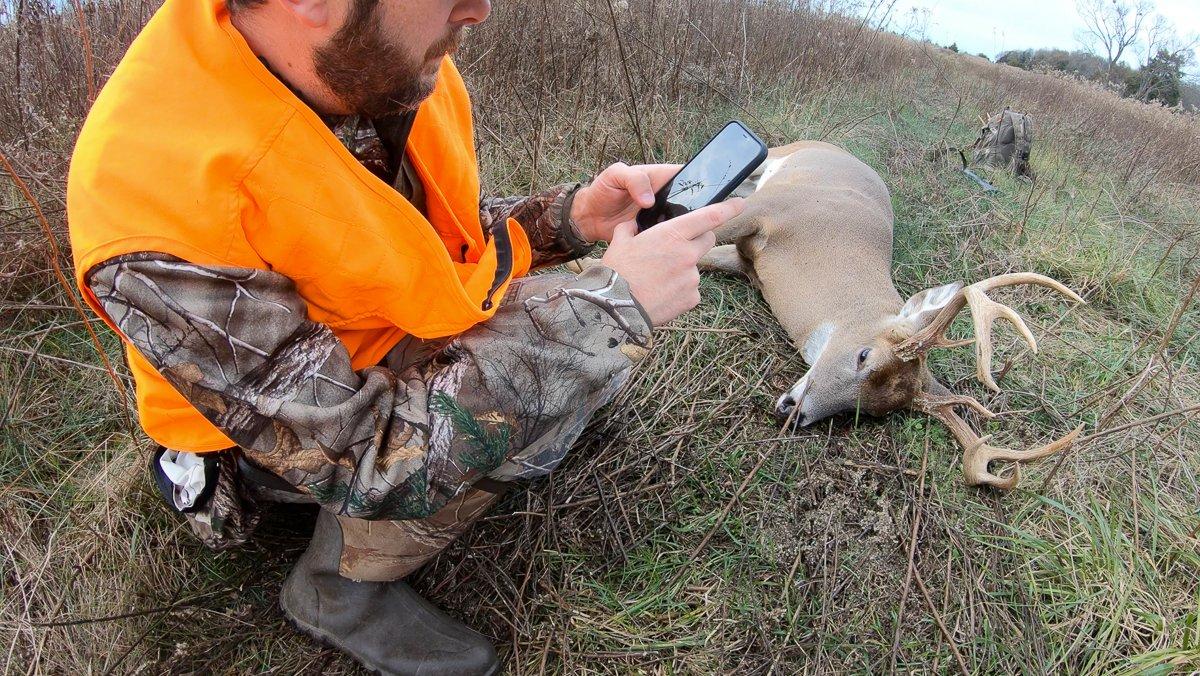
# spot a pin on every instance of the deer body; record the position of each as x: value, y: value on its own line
x: 818, y: 209
x: 816, y: 238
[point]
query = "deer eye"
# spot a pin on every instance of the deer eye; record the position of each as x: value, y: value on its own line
x: 862, y: 356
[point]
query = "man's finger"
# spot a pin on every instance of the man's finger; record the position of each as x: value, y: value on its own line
x: 705, y: 242
x: 660, y: 173
x: 636, y: 181
x: 624, y: 230
x: 706, y: 219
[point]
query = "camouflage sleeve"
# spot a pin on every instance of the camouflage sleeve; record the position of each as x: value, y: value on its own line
x: 505, y: 399
x: 553, y: 235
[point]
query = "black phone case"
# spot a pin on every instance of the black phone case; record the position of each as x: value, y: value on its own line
x: 660, y: 198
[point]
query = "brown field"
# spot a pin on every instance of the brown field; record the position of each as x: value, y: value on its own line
x: 683, y: 535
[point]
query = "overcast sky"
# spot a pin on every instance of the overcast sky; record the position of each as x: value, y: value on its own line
x: 994, y: 27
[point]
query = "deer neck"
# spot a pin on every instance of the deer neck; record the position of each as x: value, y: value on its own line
x: 860, y: 322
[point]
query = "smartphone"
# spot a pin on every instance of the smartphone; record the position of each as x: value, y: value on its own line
x: 709, y: 177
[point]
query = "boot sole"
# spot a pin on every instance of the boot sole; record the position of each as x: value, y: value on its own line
x: 331, y: 641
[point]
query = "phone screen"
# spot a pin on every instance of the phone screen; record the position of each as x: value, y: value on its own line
x: 710, y: 176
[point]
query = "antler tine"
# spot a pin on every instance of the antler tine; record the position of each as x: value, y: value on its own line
x: 984, y: 312
x: 977, y: 452
x: 950, y: 400
x: 933, y: 334
x: 1014, y: 278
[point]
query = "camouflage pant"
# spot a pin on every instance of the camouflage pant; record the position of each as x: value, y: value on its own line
x: 374, y: 551
x: 382, y: 551
x: 516, y: 391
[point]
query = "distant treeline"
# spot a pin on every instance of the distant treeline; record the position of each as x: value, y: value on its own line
x: 1161, y: 79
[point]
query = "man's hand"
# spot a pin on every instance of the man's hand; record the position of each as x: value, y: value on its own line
x: 660, y: 263
x: 616, y: 195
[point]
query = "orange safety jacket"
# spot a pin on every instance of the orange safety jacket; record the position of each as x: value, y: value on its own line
x: 194, y: 149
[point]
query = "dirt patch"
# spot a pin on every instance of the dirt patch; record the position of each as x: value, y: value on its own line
x: 849, y: 517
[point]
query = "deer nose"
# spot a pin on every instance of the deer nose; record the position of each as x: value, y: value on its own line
x: 785, y: 405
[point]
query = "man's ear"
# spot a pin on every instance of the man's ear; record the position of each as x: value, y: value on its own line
x: 924, y: 306
x: 311, y: 13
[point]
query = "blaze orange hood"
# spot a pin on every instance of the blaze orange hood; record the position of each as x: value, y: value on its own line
x: 196, y: 150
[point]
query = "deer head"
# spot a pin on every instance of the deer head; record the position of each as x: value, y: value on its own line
x: 877, y: 365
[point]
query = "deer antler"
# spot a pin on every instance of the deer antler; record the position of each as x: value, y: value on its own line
x: 977, y: 453
x: 984, y: 311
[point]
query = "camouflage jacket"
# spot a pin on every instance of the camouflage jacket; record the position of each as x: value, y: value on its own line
x: 505, y: 399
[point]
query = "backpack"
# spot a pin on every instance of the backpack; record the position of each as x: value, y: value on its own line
x: 1005, y: 141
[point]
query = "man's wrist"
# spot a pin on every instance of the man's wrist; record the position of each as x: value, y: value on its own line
x: 570, y: 228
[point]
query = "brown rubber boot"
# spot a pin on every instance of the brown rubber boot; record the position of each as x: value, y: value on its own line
x: 384, y: 625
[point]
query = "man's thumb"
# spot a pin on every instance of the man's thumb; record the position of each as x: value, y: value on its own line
x: 624, y: 230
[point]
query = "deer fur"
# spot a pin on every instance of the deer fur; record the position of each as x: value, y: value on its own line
x: 816, y: 239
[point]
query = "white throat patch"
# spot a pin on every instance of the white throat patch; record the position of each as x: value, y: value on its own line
x: 770, y: 168
x: 816, y: 342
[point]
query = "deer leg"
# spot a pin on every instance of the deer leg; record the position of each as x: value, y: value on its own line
x: 725, y: 258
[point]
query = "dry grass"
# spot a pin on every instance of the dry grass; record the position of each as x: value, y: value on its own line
x: 684, y: 535
x: 1136, y: 144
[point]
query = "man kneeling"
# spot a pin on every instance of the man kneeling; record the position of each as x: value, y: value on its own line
x: 276, y: 204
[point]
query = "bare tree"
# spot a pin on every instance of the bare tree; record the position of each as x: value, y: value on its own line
x: 1159, y: 31
x: 1163, y: 46
x: 1161, y: 37
x: 1111, y: 26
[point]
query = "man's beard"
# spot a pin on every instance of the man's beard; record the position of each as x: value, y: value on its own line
x: 370, y: 75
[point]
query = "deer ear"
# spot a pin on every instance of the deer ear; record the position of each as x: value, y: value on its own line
x: 924, y: 305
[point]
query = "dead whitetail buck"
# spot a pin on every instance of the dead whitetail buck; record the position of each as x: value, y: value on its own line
x: 816, y: 238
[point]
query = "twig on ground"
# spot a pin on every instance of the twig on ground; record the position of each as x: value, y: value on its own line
x: 1104, y: 433
x: 67, y: 287
x: 912, y: 553
x: 728, y: 506
x: 962, y: 663
x: 176, y: 605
